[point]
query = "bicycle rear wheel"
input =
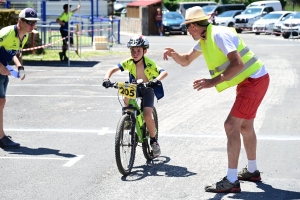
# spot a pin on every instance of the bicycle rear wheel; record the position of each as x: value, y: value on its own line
x: 125, y: 145
x: 147, y: 150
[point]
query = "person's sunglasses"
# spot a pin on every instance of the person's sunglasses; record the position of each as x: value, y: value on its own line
x: 188, y: 25
x: 30, y: 23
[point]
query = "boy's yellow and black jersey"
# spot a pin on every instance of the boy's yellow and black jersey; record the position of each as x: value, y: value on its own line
x: 10, y: 44
x: 151, y: 71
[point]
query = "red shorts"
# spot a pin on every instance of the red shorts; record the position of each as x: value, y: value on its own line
x: 249, y: 95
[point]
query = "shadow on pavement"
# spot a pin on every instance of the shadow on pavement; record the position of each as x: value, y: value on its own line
x: 268, y: 193
x: 157, y: 167
x: 39, y: 151
x: 56, y: 63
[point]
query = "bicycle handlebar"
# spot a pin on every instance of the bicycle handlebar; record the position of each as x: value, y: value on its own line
x: 115, y: 84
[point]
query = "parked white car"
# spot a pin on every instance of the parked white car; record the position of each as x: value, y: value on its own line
x: 277, y: 26
x: 246, y: 20
x: 227, y: 18
x: 266, y: 23
x: 291, y: 25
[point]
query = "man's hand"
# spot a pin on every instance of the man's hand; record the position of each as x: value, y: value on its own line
x: 202, y: 83
x: 168, y: 52
x: 21, y: 72
x: 4, y: 71
x: 106, y: 83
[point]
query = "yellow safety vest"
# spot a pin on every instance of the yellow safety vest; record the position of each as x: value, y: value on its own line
x: 217, y: 62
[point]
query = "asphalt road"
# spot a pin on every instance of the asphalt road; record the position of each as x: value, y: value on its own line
x: 66, y: 121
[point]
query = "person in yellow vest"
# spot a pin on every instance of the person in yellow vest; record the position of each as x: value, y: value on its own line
x: 63, y: 21
x: 230, y: 63
x: 141, y: 67
x: 12, y: 40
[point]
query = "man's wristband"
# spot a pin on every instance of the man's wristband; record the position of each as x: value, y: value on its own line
x: 20, y: 68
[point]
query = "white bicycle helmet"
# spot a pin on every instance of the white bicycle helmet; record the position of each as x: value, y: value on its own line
x: 138, y: 41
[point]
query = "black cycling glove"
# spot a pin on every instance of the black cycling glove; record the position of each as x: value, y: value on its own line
x: 154, y: 83
x: 106, y: 83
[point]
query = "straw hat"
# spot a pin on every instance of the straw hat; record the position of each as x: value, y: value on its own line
x: 194, y: 14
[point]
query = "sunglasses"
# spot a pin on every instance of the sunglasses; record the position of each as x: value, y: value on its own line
x: 188, y: 25
x: 30, y: 23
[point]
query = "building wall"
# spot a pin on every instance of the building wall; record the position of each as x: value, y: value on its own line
x: 131, y: 25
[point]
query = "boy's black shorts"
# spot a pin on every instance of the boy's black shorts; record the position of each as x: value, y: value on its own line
x: 148, y: 96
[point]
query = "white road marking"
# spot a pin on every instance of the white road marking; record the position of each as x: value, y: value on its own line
x: 56, y: 85
x: 53, y: 130
x: 81, y: 96
x: 106, y: 130
x: 259, y: 137
x: 71, y: 161
x: 103, y: 131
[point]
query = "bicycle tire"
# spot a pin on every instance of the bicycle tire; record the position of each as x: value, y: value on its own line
x: 147, y: 150
x: 125, y: 145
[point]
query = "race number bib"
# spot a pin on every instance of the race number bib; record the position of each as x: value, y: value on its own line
x: 127, y: 90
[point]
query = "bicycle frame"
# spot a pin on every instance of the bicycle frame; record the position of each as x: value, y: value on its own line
x: 139, y: 119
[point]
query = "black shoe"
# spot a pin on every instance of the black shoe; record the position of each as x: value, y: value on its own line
x: 7, y: 143
x: 66, y: 58
x: 61, y: 56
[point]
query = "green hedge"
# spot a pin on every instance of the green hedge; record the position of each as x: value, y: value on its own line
x: 8, y: 17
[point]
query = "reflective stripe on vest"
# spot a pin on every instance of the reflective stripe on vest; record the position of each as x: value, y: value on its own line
x: 226, y: 64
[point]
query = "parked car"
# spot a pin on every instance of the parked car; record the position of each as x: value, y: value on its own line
x: 219, y: 9
x: 266, y: 23
x: 291, y: 25
x: 277, y: 26
x: 183, y: 6
x: 227, y: 18
x: 275, y: 4
x: 171, y: 23
x: 246, y: 20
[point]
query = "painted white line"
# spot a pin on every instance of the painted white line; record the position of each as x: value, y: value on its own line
x: 103, y: 131
x: 260, y: 137
x: 34, y: 158
x: 53, y: 130
x: 55, y: 85
x: 72, y: 161
x: 106, y: 130
x: 77, y: 96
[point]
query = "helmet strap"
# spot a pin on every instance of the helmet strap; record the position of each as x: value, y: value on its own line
x: 135, y: 62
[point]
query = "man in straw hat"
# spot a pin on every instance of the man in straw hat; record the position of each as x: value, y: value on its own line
x: 230, y: 62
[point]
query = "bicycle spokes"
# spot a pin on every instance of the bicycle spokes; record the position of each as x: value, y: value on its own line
x: 125, y: 145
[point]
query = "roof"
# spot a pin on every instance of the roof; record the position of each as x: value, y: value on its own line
x: 282, y: 12
x: 144, y: 2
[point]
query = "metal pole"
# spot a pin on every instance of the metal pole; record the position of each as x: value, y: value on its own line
x: 69, y: 32
x: 97, y: 8
x: 92, y: 19
x: 44, y: 17
x: 80, y: 23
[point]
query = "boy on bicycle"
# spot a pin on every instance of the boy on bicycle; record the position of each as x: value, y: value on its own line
x: 141, y: 67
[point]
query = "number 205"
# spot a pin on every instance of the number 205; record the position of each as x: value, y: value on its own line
x: 127, y: 91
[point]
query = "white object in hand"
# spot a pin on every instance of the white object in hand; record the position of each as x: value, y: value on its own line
x: 13, y: 72
x: 21, y: 74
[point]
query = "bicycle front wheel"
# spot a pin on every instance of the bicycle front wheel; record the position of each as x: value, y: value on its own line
x: 147, y: 150
x: 125, y: 145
